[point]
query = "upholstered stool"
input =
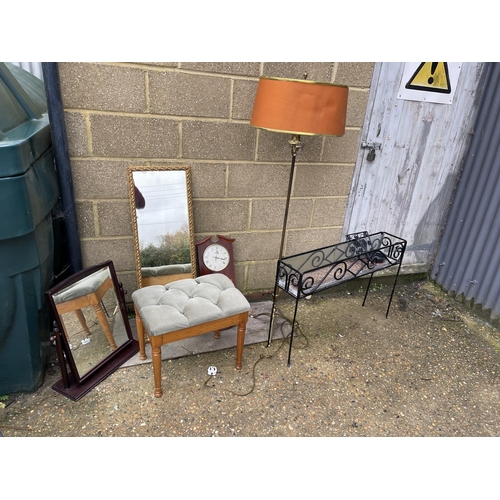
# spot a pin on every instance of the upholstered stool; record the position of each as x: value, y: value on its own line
x: 187, y: 308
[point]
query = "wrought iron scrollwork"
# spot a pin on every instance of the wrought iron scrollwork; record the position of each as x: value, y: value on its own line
x: 395, y: 250
x: 325, y: 267
x: 398, y: 251
x: 306, y: 273
x: 307, y: 286
x: 340, y: 270
x: 318, y: 259
x: 356, y: 236
x: 294, y: 280
x: 358, y: 247
x: 282, y: 276
x: 386, y: 241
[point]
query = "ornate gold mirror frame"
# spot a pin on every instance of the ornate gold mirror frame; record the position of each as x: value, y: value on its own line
x: 161, y: 209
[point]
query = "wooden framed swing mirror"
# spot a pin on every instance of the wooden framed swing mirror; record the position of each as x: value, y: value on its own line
x: 91, y: 329
x: 161, y: 210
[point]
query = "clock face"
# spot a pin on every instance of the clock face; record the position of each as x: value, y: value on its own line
x: 216, y: 257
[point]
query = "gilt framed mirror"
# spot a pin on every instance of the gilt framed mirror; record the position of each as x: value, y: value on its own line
x: 162, y: 223
x: 92, y: 333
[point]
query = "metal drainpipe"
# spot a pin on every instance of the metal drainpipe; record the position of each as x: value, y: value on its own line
x: 61, y: 153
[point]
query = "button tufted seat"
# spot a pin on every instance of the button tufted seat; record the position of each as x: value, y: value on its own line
x: 87, y: 292
x: 187, y: 308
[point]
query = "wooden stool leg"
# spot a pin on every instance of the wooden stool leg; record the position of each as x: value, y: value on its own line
x: 217, y: 334
x: 81, y: 319
x: 240, y: 343
x: 101, y: 316
x: 157, y: 369
x: 140, y: 335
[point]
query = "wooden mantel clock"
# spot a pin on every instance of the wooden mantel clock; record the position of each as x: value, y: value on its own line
x: 215, y: 255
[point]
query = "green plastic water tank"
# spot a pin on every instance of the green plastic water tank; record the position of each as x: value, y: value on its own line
x: 28, y: 193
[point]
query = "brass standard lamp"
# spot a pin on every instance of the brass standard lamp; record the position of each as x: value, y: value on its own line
x: 298, y: 107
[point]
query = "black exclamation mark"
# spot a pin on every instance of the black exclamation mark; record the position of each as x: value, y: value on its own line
x: 433, y: 69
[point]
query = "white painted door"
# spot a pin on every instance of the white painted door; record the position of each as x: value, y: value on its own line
x: 407, y: 188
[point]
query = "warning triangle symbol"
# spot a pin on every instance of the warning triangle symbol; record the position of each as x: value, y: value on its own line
x: 431, y: 77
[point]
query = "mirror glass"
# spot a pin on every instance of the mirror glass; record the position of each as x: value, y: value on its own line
x: 90, y: 319
x: 93, y: 333
x: 162, y: 221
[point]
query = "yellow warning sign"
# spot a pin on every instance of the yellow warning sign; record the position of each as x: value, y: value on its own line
x: 431, y: 77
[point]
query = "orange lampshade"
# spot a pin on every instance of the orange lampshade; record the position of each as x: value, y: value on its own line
x: 301, y: 107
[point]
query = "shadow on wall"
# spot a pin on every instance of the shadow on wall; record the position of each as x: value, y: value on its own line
x: 431, y: 226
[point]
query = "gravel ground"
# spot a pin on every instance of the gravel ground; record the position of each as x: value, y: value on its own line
x: 430, y: 369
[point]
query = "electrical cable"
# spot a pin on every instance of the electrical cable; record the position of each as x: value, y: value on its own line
x: 269, y: 356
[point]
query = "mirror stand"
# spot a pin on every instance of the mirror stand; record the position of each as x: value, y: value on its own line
x: 74, y: 390
x: 69, y: 385
x: 92, y: 333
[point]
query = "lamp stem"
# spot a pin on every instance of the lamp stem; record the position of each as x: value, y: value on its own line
x: 295, y: 146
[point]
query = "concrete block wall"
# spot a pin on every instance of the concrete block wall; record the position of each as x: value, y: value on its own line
x: 197, y: 114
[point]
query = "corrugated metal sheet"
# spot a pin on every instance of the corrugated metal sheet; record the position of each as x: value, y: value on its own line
x: 35, y: 68
x: 468, y: 260
x: 406, y: 190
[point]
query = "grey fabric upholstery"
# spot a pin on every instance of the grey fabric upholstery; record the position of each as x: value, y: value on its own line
x: 165, y: 270
x: 189, y: 302
x: 88, y: 285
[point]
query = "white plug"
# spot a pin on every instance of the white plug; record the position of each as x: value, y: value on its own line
x: 212, y: 370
